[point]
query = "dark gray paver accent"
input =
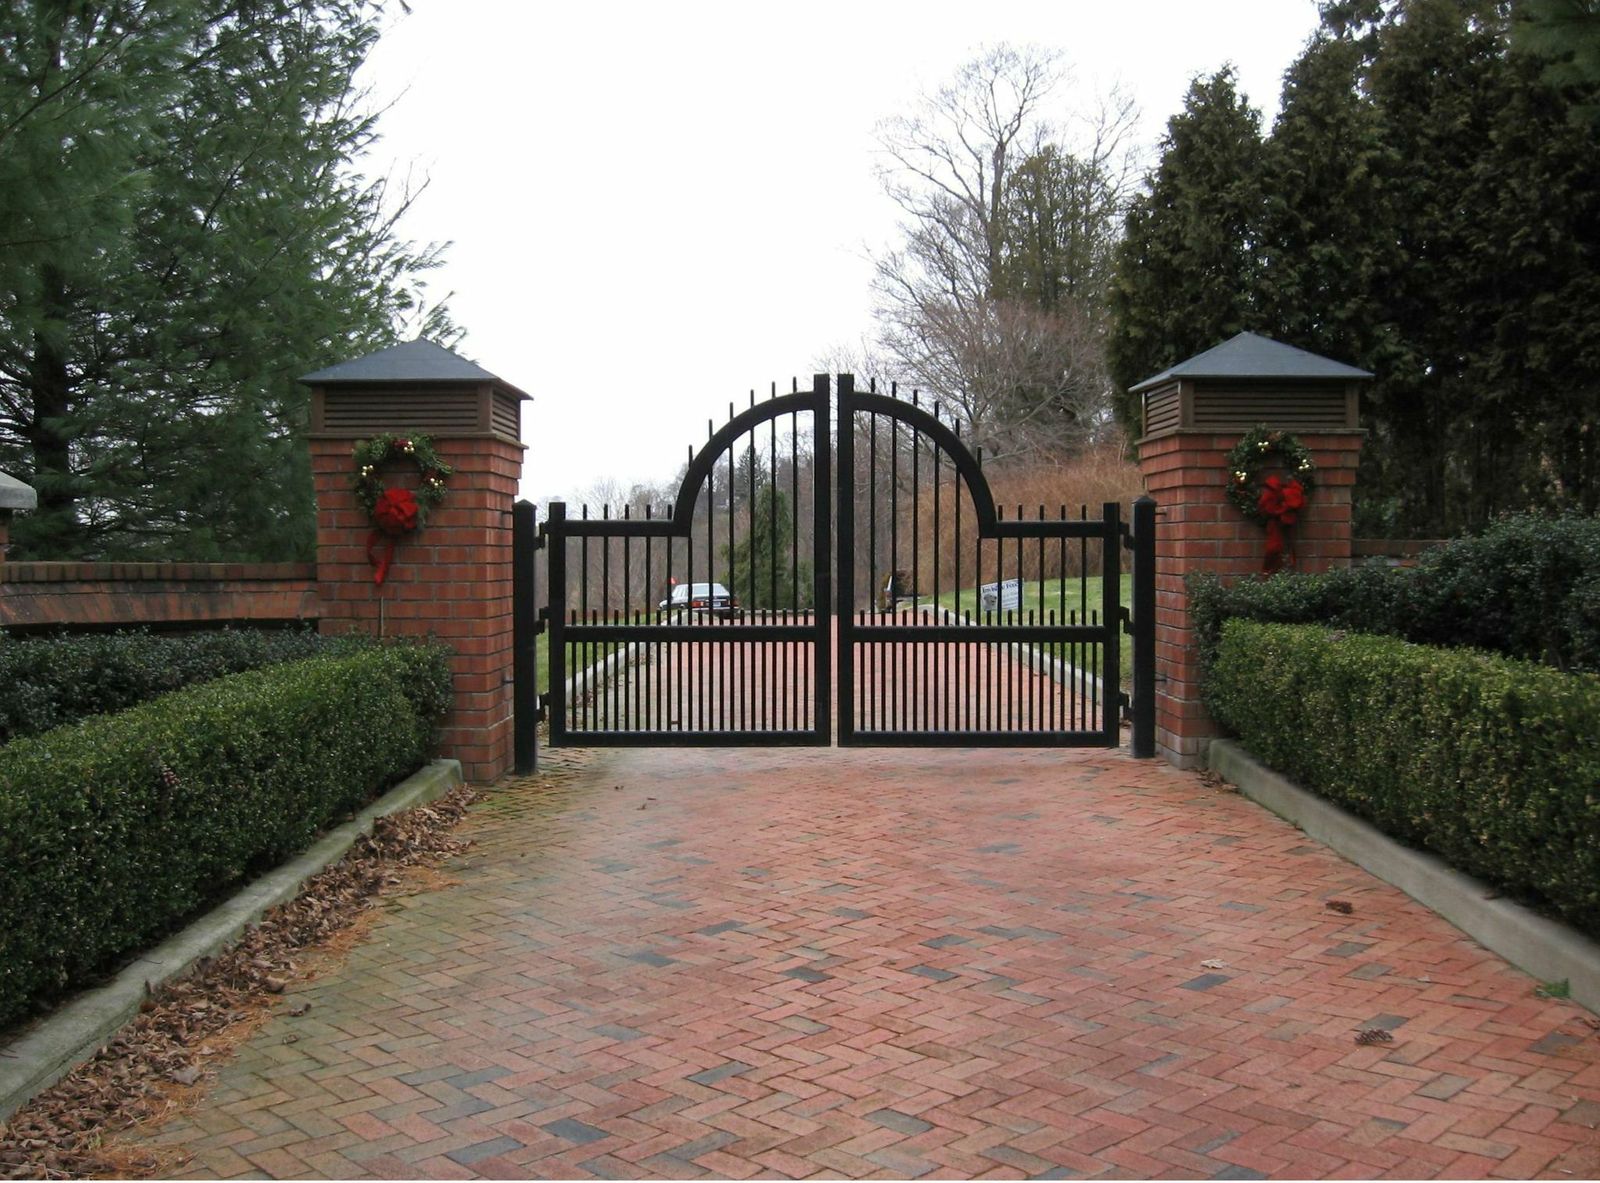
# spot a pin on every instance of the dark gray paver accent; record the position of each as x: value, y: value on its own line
x: 903, y: 1122
x: 574, y: 1130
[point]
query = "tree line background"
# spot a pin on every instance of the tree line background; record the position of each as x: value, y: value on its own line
x: 184, y: 229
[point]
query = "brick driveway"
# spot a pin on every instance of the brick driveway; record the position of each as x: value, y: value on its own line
x: 943, y: 963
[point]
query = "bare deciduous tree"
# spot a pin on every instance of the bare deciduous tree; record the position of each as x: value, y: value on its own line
x: 994, y: 302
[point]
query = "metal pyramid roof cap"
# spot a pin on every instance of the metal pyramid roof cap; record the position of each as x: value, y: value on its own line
x: 410, y: 361
x: 1250, y: 355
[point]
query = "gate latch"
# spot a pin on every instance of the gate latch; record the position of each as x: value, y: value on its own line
x: 542, y: 712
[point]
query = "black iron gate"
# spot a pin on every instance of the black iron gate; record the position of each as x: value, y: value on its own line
x: 759, y: 601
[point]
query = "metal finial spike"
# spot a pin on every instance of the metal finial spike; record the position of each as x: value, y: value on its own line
x: 627, y: 511
x: 605, y: 512
x: 585, y: 510
x: 649, y: 511
x: 914, y: 393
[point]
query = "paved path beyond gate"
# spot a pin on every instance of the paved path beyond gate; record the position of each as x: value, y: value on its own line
x: 943, y: 963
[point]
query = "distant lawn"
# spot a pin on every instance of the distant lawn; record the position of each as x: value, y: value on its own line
x: 1060, y: 597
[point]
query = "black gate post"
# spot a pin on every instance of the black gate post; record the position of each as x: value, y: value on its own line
x: 555, y: 577
x: 524, y: 640
x: 822, y: 554
x: 1144, y: 627
x: 1111, y: 622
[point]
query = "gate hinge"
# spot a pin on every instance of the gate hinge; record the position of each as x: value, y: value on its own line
x: 1125, y: 701
x: 543, y: 710
x: 1127, y: 618
x: 1127, y: 535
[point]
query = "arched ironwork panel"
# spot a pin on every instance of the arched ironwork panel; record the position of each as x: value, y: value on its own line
x: 957, y: 625
x: 712, y: 623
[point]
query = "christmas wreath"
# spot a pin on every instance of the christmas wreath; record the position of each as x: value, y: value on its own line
x: 1276, y: 499
x: 396, y: 511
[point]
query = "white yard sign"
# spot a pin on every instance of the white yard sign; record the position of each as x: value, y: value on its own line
x: 1000, y: 597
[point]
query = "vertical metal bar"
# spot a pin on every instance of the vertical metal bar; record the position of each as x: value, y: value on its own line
x: 916, y: 694
x: 1144, y: 627
x: 822, y: 532
x: 768, y: 668
x: 1111, y: 618
x: 525, y: 640
x: 727, y: 663
x: 791, y: 655
x: 846, y: 546
x: 556, y: 577
x: 607, y: 692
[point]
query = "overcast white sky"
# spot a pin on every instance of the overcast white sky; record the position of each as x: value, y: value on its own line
x: 655, y: 207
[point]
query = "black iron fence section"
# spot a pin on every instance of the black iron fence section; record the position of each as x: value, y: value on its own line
x: 719, y: 619
x: 956, y: 625
x: 712, y: 623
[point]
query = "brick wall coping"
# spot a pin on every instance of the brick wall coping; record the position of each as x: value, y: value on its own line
x: 43, y: 572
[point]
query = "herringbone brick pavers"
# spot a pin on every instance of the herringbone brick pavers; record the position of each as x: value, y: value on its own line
x: 683, y: 964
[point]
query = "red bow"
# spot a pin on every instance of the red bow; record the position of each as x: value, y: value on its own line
x: 1281, y: 501
x: 395, y: 514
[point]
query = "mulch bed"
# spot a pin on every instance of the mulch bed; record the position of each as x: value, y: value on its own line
x: 151, y: 1067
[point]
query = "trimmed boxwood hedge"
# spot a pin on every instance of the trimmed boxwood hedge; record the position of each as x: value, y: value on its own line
x: 1528, y: 587
x: 1491, y: 763
x: 115, y: 830
x: 50, y: 681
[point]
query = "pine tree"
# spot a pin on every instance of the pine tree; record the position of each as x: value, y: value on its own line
x: 185, y: 236
x: 1188, y: 275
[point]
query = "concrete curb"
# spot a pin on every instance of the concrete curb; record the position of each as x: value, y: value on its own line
x: 50, y: 1047
x: 1547, y: 949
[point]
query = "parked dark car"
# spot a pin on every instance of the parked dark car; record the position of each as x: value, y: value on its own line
x: 702, y: 597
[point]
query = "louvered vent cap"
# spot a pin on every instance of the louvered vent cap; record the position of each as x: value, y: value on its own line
x: 1250, y: 355
x: 410, y: 361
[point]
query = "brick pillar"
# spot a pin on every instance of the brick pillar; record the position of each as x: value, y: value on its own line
x: 451, y: 579
x: 1201, y: 530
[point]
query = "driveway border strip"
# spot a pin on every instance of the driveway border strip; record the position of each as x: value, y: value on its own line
x: 1547, y: 949
x: 52, y: 1046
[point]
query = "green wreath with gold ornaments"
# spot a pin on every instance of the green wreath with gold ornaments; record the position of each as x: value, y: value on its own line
x: 396, y: 511
x: 1263, y: 450
x: 377, y: 453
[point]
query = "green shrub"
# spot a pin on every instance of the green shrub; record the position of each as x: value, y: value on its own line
x: 1509, y: 591
x: 1491, y: 763
x: 1529, y: 587
x: 114, y: 830
x: 47, y: 682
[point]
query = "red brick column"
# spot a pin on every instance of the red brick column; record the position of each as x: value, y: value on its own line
x: 1199, y: 529
x: 450, y: 580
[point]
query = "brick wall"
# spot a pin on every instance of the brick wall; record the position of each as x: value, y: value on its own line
x: 451, y: 580
x: 34, y: 595
x: 1200, y: 530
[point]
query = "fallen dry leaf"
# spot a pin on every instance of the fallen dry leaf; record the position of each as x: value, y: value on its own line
x: 1213, y: 963
x: 63, y: 1132
x: 1371, y: 1035
x: 1343, y: 907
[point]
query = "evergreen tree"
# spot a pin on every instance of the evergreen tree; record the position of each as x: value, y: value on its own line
x: 184, y: 236
x: 1188, y: 274
x: 760, y: 574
